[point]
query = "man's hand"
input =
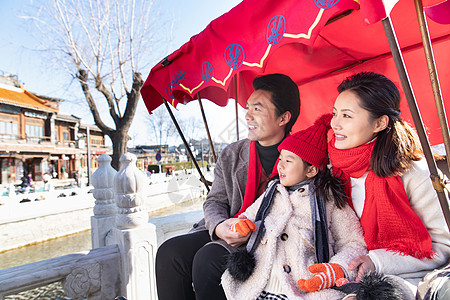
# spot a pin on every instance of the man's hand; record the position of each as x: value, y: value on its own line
x: 224, y: 232
x: 364, y: 265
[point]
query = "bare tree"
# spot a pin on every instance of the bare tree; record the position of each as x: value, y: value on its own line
x: 101, y: 43
x: 161, y: 125
x: 192, y: 128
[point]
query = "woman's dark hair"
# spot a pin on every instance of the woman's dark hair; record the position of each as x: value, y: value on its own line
x: 397, y: 145
x: 328, y: 187
x: 285, y: 95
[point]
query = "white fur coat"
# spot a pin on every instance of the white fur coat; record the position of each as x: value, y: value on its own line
x: 291, y: 215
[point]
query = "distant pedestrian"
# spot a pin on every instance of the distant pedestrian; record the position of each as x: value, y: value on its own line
x: 29, y: 180
x: 77, y: 179
x: 54, y: 173
x: 46, y: 179
x: 24, y: 183
x: 63, y: 172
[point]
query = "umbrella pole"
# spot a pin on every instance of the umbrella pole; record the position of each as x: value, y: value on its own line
x: 433, y: 77
x: 211, y: 145
x: 438, y: 183
x: 236, y: 106
x: 202, y: 178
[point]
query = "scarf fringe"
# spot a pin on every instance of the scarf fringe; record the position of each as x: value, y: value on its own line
x: 420, y: 254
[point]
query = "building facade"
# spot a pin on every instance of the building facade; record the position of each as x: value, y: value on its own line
x: 36, y: 139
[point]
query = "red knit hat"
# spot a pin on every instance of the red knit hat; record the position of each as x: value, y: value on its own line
x: 310, y: 144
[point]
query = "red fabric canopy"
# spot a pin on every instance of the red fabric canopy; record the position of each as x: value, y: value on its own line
x: 439, y: 13
x: 293, y: 37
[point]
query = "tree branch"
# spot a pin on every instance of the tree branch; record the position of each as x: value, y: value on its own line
x: 132, y: 97
x: 75, y: 53
x: 82, y: 77
x: 111, y: 107
x: 131, y: 36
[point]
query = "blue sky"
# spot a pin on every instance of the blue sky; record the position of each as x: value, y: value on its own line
x: 18, y: 54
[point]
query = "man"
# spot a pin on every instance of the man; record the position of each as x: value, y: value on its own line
x: 190, y: 266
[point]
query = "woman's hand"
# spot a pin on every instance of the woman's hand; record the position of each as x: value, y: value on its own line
x: 364, y: 265
x: 233, y: 238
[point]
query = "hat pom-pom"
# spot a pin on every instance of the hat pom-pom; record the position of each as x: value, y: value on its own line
x: 380, y: 287
x: 241, y: 264
x: 325, y: 120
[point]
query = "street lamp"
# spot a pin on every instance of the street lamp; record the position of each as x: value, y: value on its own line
x: 88, y: 137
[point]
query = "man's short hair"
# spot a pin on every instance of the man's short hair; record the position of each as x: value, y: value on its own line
x: 285, y: 95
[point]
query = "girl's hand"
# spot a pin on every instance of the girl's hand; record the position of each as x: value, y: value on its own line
x: 244, y: 226
x: 364, y: 265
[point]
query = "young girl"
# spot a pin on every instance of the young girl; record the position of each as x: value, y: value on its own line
x: 302, y: 220
x: 379, y: 156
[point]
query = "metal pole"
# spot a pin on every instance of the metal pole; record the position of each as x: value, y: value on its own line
x: 236, y: 106
x: 188, y: 148
x: 201, y: 150
x: 211, y: 146
x: 401, y: 69
x: 88, y: 137
x: 433, y: 77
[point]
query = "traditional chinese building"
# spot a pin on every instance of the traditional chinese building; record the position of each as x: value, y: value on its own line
x: 35, y: 138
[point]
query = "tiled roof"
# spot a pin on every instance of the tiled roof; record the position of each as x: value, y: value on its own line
x: 23, y: 98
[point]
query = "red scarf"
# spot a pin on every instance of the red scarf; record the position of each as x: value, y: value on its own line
x: 253, y: 178
x: 388, y: 220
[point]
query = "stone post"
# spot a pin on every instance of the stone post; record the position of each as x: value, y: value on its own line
x: 134, y: 235
x: 105, y: 208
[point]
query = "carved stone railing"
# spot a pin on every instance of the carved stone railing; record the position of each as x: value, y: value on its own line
x: 95, y: 273
x: 105, y: 208
x: 132, y: 232
x: 129, y: 184
x: 124, y: 242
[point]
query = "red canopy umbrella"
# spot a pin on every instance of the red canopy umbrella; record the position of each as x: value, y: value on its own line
x: 260, y: 37
x: 241, y: 40
x: 439, y: 13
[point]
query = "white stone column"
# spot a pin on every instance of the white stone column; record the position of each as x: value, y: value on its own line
x: 105, y: 208
x: 134, y: 235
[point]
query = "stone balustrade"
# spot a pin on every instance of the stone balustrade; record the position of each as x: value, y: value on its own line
x: 95, y: 273
x: 124, y: 243
x: 105, y: 208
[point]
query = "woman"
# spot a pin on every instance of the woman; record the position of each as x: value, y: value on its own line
x: 389, y: 185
